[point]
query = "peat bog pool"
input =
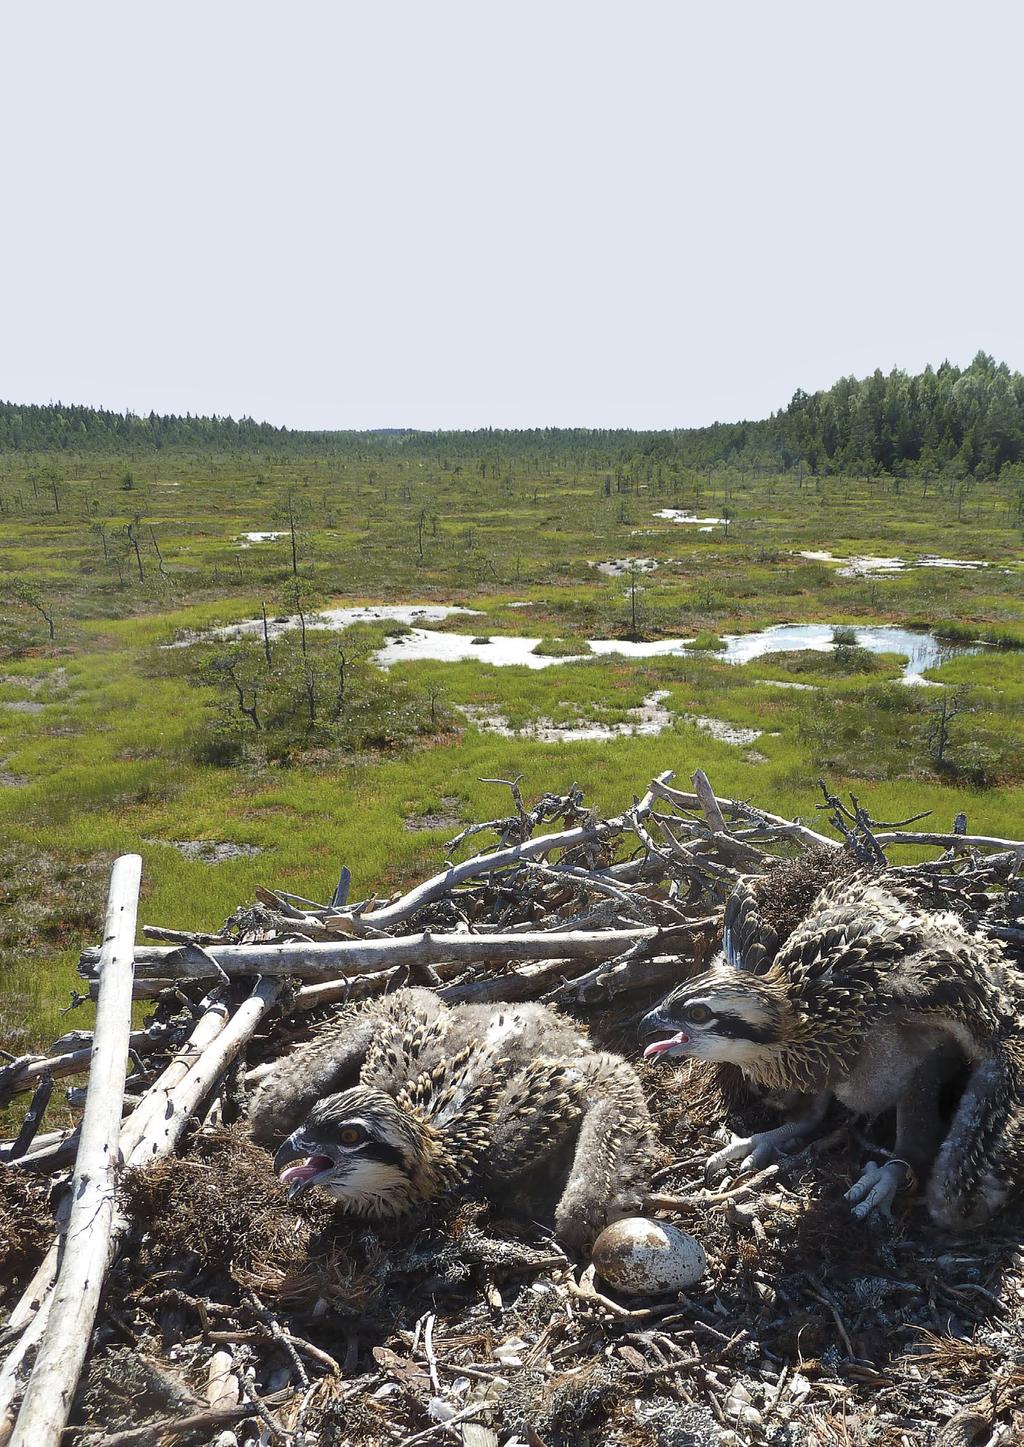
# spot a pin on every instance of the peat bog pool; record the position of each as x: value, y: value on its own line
x: 921, y: 649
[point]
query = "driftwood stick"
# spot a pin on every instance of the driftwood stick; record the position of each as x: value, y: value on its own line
x: 708, y: 802
x: 41, y: 1141
x: 163, y: 1132
x: 795, y: 830
x: 945, y: 841
x: 54, y: 1155
x: 635, y: 972
x: 523, y: 984
x: 33, y: 1118
x: 58, y: 1365
x: 320, y: 961
x: 340, y: 992
x: 180, y: 936
x: 153, y: 1104
x: 75, y: 1062
x: 141, y: 990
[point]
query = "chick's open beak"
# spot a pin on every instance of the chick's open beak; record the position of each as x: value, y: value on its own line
x: 659, y: 1047
x: 306, y: 1168
x: 658, y: 1019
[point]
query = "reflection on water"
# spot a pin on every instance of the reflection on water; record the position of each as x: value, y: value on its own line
x: 921, y: 650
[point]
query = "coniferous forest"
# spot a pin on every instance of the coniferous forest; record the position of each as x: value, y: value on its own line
x: 965, y: 422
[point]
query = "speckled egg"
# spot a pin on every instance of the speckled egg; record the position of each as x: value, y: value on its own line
x: 645, y: 1258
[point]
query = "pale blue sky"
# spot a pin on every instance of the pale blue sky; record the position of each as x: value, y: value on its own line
x: 466, y: 214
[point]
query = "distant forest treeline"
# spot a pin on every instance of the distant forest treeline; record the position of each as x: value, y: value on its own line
x: 961, y: 421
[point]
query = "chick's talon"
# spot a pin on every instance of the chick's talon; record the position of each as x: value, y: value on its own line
x: 751, y: 1153
x: 877, y: 1189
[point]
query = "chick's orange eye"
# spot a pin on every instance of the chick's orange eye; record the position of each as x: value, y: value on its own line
x: 698, y: 1014
x: 350, y: 1136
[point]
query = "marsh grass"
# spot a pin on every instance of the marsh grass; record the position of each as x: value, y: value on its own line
x: 110, y: 756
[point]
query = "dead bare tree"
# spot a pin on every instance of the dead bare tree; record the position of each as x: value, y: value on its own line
x: 228, y: 667
x: 131, y: 532
x: 266, y: 638
x: 291, y: 530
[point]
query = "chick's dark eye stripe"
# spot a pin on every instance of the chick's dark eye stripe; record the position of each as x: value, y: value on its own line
x: 736, y: 1028
x: 380, y: 1151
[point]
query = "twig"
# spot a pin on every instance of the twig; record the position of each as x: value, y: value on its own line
x: 199, y: 1421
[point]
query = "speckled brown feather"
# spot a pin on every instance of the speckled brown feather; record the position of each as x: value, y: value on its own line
x: 500, y: 1097
x: 872, y: 959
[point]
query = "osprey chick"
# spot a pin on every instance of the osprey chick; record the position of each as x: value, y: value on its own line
x: 879, y: 1001
x: 408, y: 1100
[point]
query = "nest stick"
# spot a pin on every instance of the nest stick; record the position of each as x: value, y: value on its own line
x: 316, y: 961
x: 165, y: 1129
x: 65, y: 1341
x: 72, y: 1062
x: 441, y: 884
x: 793, y: 828
x: 708, y: 802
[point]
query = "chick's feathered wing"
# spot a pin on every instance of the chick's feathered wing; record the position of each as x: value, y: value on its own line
x: 507, y: 1099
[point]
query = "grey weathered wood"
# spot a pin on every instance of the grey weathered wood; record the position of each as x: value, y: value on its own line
x: 59, y: 1360
x: 165, y: 1127
x: 946, y: 841
x: 76, y: 1061
x: 708, y: 802
x: 322, y: 960
x: 164, y: 1124
x: 441, y: 884
x: 153, y: 1102
x: 794, y: 830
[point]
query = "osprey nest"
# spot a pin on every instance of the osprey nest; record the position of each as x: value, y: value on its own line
x: 160, y: 1284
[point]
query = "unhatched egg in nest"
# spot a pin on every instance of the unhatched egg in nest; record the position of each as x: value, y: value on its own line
x: 645, y: 1258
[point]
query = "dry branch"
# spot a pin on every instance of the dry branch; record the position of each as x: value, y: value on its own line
x: 48, y: 1396
x: 442, y: 884
x: 305, y: 961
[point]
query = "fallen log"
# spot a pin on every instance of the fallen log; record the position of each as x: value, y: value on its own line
x: 65, y: 1341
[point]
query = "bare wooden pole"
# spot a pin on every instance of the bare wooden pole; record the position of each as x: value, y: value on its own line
x: 48, y: 1396
x: 153, y: 1103
x: 192, y: 1080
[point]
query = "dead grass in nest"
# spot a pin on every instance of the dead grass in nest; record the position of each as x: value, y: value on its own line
x: 971, y: 1364
x: 222, y: 1204
x: 26, y: 1225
